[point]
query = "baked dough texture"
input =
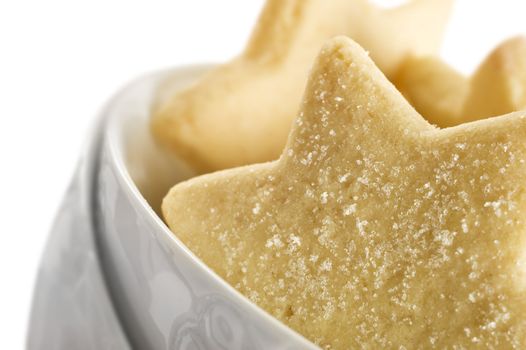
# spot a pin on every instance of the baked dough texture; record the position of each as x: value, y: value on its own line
x: 241, y: 112
x: 447, y: 98
x: 374, y: 229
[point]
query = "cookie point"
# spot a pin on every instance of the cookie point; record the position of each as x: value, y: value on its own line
x: 513, y: 49
x: 342, y: 47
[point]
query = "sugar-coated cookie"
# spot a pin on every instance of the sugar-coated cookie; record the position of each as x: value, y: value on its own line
x: 241, y: 112
x: 374, y: 229
x: 446, y: 97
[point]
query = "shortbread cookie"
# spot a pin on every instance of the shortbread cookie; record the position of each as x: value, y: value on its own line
x: 374, y: 229
x: 446, y: 97
x: 240, y: 113
x: 434, y: 88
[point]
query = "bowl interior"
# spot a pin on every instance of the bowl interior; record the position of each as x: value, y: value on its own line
x: 153, y: 170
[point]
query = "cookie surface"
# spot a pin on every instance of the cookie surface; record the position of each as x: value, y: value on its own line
x: 241, y: 112
x: 447, y: 98
x: 374, y: 229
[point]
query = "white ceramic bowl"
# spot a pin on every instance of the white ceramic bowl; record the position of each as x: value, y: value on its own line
x: 164, y: 296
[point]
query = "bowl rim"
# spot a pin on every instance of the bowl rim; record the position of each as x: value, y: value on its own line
x: 112, y: 139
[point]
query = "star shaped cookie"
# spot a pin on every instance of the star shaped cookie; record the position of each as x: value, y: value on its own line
x: 240, y: 113
x: 446, y: 97
x: 374, y: 229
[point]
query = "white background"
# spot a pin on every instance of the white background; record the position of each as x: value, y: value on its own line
x: 61, y: 59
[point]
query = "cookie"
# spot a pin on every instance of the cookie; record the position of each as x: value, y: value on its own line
x: 446, y: 97
x: 434, y: 88
x: 374, y: 229
x: 241, y: 112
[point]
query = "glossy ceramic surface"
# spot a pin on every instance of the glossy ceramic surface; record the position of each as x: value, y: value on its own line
x: 163, y: 296
x: 72, y: 308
